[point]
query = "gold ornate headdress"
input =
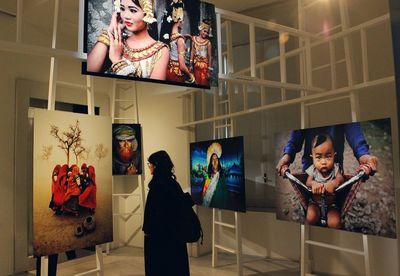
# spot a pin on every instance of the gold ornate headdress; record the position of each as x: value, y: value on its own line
x: 214, y: 148
x: 205, y: 25
x: 147, y: 7
x: 177, y: 10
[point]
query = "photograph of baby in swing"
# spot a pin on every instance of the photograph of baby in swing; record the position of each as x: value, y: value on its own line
x: 217, y: 174
x: 72, y: 196
x: 338, y: 176
x: 165, y: 41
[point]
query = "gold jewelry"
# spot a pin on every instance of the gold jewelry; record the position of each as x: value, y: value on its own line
x: 204, y: 26
x: 176, y: 36
x: 103, y: 38
x: 200, y: 43
x: 143, y: 53
x: 147, y: 7
x: 119, y: 65
x: 124, y: 68
x: 177, y: 14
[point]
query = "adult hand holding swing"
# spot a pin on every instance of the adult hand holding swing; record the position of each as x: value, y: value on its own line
x: 368, y: 163
x: 283, y: 165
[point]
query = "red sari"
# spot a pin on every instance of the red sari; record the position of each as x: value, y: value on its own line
x: 72, y: 189
x: 88, y: 197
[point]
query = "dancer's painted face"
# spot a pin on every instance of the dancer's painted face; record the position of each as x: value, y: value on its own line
x: 132, y: 16
x: 204, y: 33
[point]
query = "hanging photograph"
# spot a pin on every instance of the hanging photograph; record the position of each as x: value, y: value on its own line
x: 217, y: 174
x: 338, y: 176
x: 72, y: 197
x: 127, y: 153
x: 165, y: 41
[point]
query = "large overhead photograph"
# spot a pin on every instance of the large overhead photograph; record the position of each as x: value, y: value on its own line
x: 164, y: 41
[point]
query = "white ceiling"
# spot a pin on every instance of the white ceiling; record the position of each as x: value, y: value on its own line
x: 38, y: 13
x: 71, y: 5
x: 240, y: 5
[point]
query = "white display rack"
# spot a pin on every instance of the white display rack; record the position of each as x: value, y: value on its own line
x: 216, y: 246
x: 51, y: 106
x: 309, y: 95
x: 124, y: 109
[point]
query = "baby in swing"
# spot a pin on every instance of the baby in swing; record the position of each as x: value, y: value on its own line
x: 324, y: 176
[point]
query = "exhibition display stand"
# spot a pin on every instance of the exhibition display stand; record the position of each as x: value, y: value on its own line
x: 307, y: 241
x: 51, y: 106
x: 216, y: 246
x: 124, y: 109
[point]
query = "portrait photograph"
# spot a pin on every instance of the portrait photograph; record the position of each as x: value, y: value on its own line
x: 127, y: 153
x: 72, y: 193
x: 338, y: 176
x: 217, y: 174
x: 164, y: 41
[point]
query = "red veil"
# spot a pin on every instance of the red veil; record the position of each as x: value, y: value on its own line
x: 88, y: 197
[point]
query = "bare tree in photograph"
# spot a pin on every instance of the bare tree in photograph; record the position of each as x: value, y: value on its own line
x: 68, y: 140
x: 79, y: 151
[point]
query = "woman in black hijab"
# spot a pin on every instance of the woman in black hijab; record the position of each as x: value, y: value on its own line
x: 164, y: 252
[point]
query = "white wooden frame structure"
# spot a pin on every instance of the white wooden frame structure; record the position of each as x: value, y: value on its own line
x: 121, y: 101
x: 217, y: 219
x: 51, y: 106
x: 308, y: 94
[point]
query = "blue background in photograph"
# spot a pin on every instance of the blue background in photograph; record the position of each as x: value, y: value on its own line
x: 232, y: 162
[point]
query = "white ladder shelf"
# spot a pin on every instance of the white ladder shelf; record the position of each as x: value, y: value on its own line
x: 124, y: 109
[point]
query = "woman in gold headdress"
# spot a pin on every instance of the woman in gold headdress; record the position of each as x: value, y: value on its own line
x: 215, y: 192
x: 201, y: 54
x: 177, y: 70
x: 138, y: 55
